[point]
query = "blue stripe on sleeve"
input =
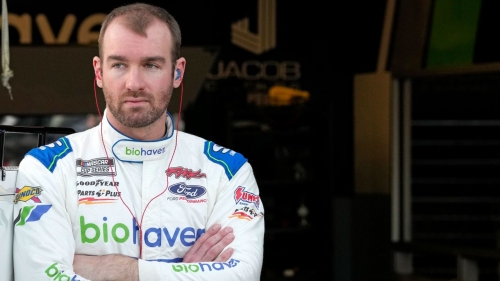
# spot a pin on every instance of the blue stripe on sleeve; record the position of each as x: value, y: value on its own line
x: 230, y: 160
x: 49, y: 154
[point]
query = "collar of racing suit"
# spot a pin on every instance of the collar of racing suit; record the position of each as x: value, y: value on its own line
x: 127, y: 149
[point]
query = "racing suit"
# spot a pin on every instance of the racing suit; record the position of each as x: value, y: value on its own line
x: 77, y: 195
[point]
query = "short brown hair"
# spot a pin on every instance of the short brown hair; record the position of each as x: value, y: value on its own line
x: 138, y: 17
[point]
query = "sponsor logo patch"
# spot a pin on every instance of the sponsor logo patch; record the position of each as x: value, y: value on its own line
x: 187, y: 193
x: 186, y: 173
x: 102, y: 166
x: 130, y: 151
x: 56, y: 274
x: 242, y: 196
x: 246, y: 213
x: 31, y: 214
x: 205, y: 267
x: 89, y: 196
x: 107, y: 232
x: 28, y: 193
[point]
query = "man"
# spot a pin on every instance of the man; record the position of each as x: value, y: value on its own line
x: 130, y: 198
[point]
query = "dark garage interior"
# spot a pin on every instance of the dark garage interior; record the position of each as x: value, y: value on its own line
x: 370, y: 125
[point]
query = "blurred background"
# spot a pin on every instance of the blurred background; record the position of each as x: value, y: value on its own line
x: 370, y: 124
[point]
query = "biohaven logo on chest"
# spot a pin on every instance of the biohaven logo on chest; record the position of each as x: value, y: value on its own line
x: 154, y: 237
x: 136, y: 151
x: 143, y: 152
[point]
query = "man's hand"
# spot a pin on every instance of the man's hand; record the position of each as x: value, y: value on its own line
x: 107, y: 267
x: 210, y: 245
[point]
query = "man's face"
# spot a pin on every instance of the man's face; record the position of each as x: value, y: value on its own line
x: 137, y: 73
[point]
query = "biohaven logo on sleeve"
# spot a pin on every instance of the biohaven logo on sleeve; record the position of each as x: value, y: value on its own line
x: 205, y: 266
x: 55, y: 273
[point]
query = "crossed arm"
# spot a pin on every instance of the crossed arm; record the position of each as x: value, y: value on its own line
x: 209, y: 247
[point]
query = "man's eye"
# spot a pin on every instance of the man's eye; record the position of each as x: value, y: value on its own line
x: 150, y: 65
x: 117, y: 65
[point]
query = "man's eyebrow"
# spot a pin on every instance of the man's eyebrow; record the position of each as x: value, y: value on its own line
x: 154, y: 58
x: 145, y: 59
x: 116, y: 58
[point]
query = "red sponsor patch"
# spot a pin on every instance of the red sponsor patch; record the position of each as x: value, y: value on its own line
x: 241, y: 215
x: 240, y: 195
x: 186, y: 173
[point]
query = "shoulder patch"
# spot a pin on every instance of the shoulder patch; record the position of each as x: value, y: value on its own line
x: 49, y: 154
x: 230, y: 160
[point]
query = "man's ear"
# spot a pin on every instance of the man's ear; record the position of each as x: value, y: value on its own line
x: 97, y: 71
x: 180, y: 68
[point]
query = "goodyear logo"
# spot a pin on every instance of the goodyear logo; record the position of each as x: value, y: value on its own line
x: 28, y: 193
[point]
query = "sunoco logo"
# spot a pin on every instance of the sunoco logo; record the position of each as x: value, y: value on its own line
x: 28, y: 193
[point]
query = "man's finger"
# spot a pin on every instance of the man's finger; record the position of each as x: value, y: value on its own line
x: 191, y: 253
x: 214, y: 251
x: 224, y: 256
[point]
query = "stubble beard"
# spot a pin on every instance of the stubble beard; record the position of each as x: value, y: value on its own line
x: 138, y: 117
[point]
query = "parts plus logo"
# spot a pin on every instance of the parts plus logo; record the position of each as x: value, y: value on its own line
x: 89, y: 196
x: 204, y: 267
x: 30, y: 214
x: 28, y: 193
x: 96, y: 167
x: 108, y: 196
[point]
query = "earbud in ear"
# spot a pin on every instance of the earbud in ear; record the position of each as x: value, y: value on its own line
x: 178, y: 74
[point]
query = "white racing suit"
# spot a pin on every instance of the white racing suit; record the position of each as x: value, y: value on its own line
x: 74, y: 196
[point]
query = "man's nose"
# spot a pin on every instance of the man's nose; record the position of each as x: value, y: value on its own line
x: 135, y: 80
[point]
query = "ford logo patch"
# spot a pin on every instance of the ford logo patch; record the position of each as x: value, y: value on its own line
x: 190, y: 191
